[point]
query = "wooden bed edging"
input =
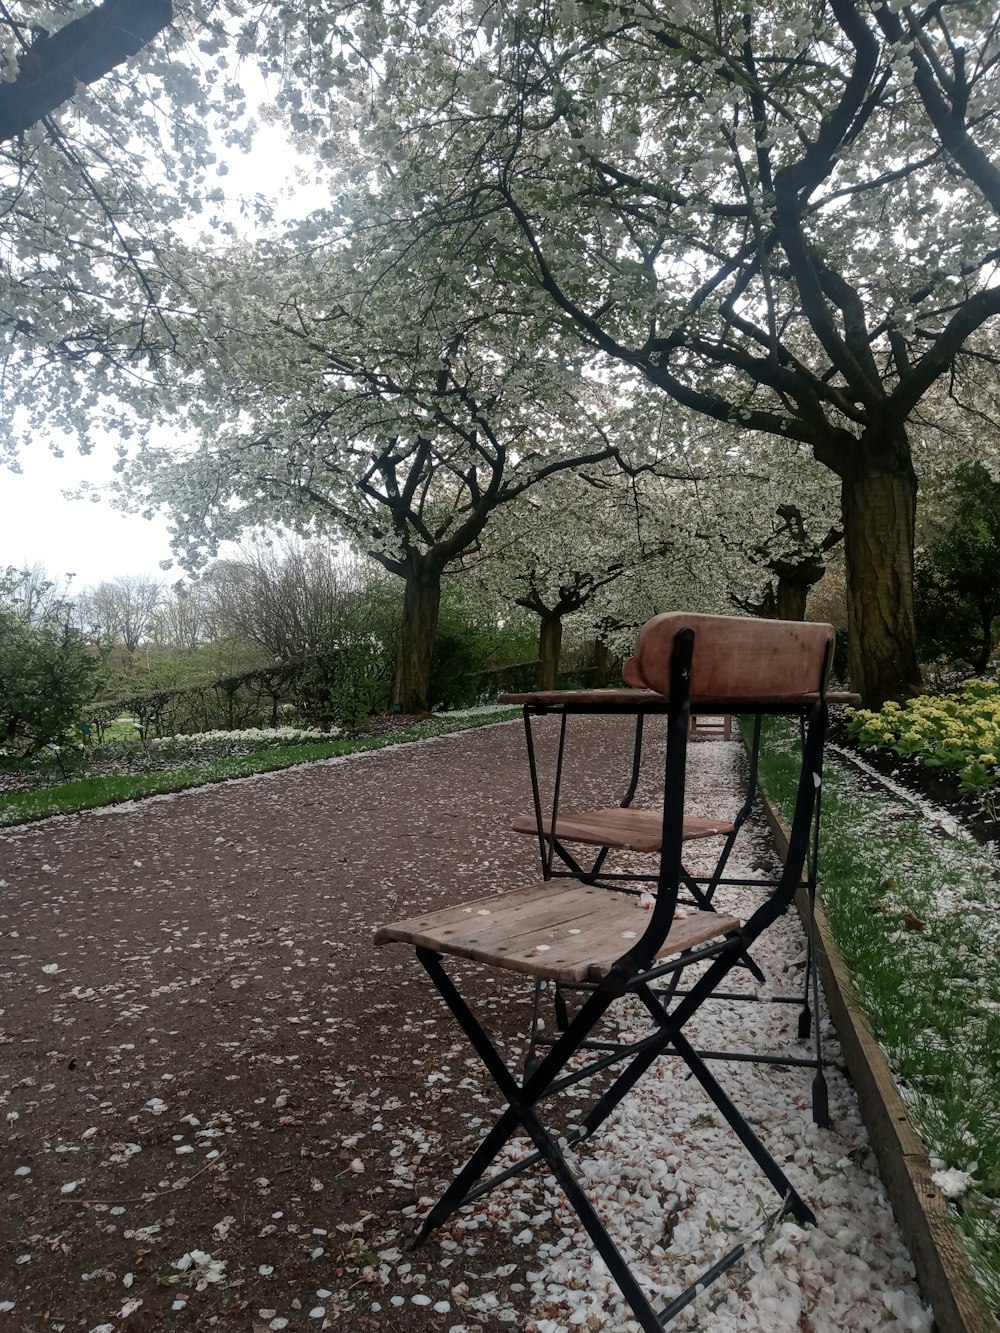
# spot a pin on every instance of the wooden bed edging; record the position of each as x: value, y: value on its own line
x: 925, y: 1219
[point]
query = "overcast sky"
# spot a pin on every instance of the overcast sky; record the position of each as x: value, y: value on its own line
x: 92, y: 541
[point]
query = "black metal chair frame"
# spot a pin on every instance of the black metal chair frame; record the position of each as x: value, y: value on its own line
x: 702, y: 890
x: 637, y: 973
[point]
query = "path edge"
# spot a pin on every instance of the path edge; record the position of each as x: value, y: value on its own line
x: 943, y: 1269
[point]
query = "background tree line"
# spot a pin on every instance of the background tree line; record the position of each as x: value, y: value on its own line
x: 293, y: 629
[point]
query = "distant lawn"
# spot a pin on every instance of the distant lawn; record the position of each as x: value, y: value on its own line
x: 86, y: 793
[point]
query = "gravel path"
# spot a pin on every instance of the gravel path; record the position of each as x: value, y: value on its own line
x: 224, y: 1107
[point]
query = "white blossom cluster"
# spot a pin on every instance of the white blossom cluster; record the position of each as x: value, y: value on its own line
x: 247, y: 735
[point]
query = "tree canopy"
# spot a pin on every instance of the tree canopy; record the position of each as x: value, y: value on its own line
x: 785, y: 219
x: 399, y: 417
x: 114, y: 117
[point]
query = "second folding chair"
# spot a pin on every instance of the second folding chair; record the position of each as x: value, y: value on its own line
x: 636, y: 830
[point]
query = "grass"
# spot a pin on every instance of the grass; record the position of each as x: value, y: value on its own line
x: 915, y: 911
x: 89, y: 792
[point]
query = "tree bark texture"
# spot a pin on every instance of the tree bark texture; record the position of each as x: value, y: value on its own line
x: 879, y: 506
x: 80, y: 52
x: 603, y: 662
x: 421, y: 605
x: 793, y: 590
x: 549, y: 646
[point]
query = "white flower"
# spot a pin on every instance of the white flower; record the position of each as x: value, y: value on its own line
x: 205, y: 1269
x: 952, y: 1183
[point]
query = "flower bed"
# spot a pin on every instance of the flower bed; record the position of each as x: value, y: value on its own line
x: 137, y: 754
x: 123, y: 770
x: 958, y: 733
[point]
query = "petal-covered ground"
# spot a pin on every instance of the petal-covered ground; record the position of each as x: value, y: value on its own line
x: 222, y: 1107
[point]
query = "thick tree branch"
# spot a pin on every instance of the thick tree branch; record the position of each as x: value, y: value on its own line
x: 945, y: 107
x: 51, y: 65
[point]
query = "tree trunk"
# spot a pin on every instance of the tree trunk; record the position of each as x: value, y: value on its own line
x: 786, y: 595
x: 794, y: 586
x: 603, y: 662
x: 985, y: 652
x: 549, y: 644
x: 421, y: 604
x: 879, y: 497
x: 790, y: 603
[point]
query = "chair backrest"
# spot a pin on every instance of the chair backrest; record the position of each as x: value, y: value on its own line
x: 630, y: 674
x: 732, y: 660
x: 735, y: 657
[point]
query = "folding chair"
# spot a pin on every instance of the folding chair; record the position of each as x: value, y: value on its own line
x: 583, y: 934
x: 624, y: 827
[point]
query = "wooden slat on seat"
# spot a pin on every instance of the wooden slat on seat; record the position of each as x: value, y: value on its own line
x: 719, y: 726
x: 636, y: 830
x: 561, y: 930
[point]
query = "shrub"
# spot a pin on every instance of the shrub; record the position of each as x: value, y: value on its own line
x: 48, y: 671
x: 957, y: 582
x: 959, y: 733
x: 346, y: 684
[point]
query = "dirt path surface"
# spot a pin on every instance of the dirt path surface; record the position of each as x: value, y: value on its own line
x: 222, y: 1104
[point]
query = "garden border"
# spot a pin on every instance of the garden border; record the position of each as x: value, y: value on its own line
x: 943, y: 1269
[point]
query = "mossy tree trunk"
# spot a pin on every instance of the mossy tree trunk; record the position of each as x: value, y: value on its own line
x: 879, y: 497
x: 421, y: 608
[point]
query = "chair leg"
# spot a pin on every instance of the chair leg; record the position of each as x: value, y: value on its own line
x: 794, y: 1203
x: 532, y: 1060
x: 703, y: 901
x: 520, y: 1113
x: 648, y: 1319
x: 520, y: 1098
x: 820, y: 1093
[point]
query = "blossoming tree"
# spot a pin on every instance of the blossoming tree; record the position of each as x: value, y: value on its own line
x: 111, y: 117
x: 571, y: 550
x: 396, y: 407
x: 785, y: 219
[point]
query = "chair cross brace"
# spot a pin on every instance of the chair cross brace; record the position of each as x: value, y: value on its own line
x: 544, y: 1081
x: 701, y: 888
x: 550, y: 846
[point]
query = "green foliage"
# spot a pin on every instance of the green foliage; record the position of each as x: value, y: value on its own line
x: 350, y: 678
x: 48, y: 670
x: 342, y: 680
x: 198, y: 760
x: 959, y: 732
x: 472, y: 644
x: 346, y: 684
x: 957, y: 581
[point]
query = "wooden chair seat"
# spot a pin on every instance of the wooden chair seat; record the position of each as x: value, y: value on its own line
x: 711, y: 726
x: 561, y: 930
x: 634, y: 830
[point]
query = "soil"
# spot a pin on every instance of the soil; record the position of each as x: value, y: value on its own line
x: 203, y: 1051
x: 976, y: 813
x: 383, y: 724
